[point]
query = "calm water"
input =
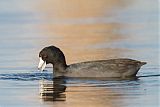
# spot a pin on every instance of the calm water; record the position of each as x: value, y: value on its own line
x: 84, y: 30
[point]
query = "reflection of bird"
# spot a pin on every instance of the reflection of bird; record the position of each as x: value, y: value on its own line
x: 53, y: 90
x: 118, y: 68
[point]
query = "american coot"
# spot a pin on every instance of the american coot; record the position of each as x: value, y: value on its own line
x: 112, y: 68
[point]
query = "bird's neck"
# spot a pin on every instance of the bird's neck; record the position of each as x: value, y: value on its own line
x: 59, y: 70
x: 60, y: 67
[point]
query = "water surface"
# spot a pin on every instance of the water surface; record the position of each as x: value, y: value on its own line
x: 84, y: 30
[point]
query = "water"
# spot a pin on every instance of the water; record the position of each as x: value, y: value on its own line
x: 84, y: 30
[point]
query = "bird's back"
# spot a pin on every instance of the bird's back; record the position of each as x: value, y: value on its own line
x: 105, y: 68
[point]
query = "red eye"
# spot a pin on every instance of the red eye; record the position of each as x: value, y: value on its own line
x: 45, y: 56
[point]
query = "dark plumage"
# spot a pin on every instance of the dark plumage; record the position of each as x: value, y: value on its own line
x: 112, y: 68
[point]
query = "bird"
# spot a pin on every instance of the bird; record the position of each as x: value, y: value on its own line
x: 110, y: 68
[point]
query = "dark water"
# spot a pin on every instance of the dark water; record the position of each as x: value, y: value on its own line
x: 84, y: 30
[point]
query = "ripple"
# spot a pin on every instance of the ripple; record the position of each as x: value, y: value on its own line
x: 26, y: 76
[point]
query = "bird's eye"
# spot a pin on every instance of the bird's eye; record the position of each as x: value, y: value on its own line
x: 44, y: 57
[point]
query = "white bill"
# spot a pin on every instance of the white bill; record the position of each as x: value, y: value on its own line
x: 42, y: 64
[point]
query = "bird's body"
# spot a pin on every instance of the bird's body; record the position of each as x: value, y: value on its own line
x: 112, y: 68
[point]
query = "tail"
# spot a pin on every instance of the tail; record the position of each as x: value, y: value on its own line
x: 142, y: 63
